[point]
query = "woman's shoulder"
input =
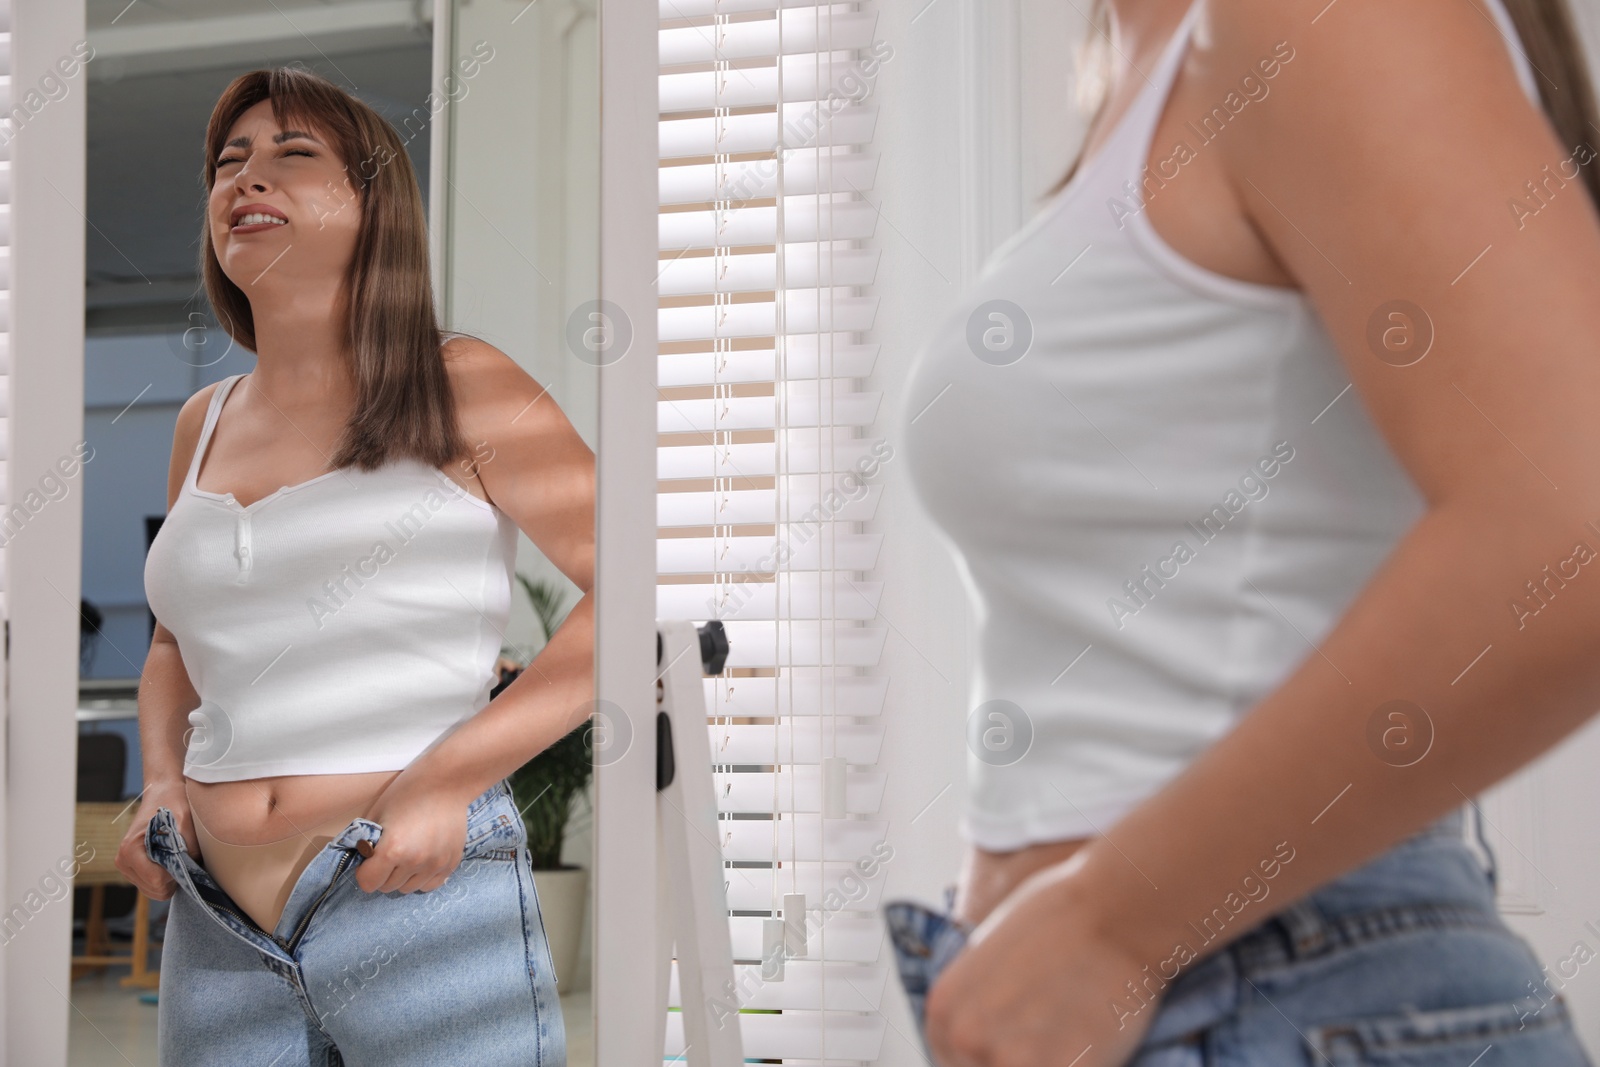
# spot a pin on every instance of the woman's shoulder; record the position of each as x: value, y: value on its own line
x: 465, y: 351
x: 476, y: 364
x: 1369, y: 54
x: 511, y: 419
x: 490, y: 387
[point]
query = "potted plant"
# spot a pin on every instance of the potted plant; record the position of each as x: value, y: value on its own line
x: 546, y: 788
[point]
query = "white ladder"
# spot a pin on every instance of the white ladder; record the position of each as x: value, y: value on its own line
x: 691, y: 895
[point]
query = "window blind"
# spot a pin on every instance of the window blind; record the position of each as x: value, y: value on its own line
x: 766, y: 464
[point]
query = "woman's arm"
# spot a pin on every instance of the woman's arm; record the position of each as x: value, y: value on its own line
x: 538, y: 470
x: 166, y: 696
x: 1382, y: 168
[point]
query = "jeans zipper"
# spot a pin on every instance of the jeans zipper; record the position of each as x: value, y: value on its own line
x: 242, y: 917
x: 225, y: 905
x: 294, y: 939
x: 300, y: 929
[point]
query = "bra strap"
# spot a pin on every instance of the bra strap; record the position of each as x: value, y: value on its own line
x: 218, y: 397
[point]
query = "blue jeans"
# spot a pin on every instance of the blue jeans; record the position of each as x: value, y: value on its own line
x: 459, y: 974
x: 1403, y: 961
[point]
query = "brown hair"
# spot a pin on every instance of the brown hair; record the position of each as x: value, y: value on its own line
x: 404, y: 404
x: 1547, y: 37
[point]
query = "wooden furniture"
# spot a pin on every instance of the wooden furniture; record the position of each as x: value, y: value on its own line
x: 99, y: 829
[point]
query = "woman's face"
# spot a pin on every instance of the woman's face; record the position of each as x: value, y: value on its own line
x: 283, y: 209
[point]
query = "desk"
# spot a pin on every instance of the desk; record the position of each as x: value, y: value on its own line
x: 108, y: 699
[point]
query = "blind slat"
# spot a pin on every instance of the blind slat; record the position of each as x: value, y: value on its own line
x: 804, y: 30
x: 736, y: 555
x: 803, y: 125
x: 681, y: 9
x: 807, y: 984
x: 754, y: 506
x: 806, y: 266
x: 796, y: 789
x: 803, y: 644
x: 789, y: 596
x: 804, y: 358
x: 808, y: 76
x: 760, y: 460
x: 804, y: 219
x: 802, y: 692
x: 771, y: 743
x: 802, y: 311
x: 849, y: 1036
x: 800, y: 836
x: 852, y: 938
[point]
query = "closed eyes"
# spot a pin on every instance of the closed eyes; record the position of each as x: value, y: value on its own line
x: 291, y: 152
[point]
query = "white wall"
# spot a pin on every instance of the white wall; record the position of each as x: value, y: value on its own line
x: 523, y: 242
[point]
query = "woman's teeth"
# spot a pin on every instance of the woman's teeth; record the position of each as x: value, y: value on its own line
x: 258, y: 217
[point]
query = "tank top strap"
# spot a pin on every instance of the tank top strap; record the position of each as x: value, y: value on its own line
x: 1129, y: 145
x: 1519, y: 58
x: 219, y: 396
x: 1132, y: 141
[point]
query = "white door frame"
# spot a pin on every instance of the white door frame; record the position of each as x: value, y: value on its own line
x: 43, y: 559
x: 625, y: 919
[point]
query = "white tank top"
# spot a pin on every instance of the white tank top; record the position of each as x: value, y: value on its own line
x: 339, y: 625
x: 1156, y: 511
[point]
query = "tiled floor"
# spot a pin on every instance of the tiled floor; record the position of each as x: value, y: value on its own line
x: 111, y: 1027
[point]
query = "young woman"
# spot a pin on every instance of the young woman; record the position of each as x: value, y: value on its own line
x: 1251, y: 638
x: 325, y: 799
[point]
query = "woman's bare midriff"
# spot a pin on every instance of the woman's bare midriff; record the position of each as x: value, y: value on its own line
x: 262, y: 832
x: 987, y: 878
x: 257, y: 835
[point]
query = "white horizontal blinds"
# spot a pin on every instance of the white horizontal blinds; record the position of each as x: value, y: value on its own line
x: 765, y: 288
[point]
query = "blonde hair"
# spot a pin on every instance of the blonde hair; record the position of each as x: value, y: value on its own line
x: 1544, y: 26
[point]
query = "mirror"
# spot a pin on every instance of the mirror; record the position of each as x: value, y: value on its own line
x: 497, y: 106
x: 522, y: 272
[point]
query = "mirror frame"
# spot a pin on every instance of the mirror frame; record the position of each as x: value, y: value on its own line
x: 44, y: 416
x: 624, y: 911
